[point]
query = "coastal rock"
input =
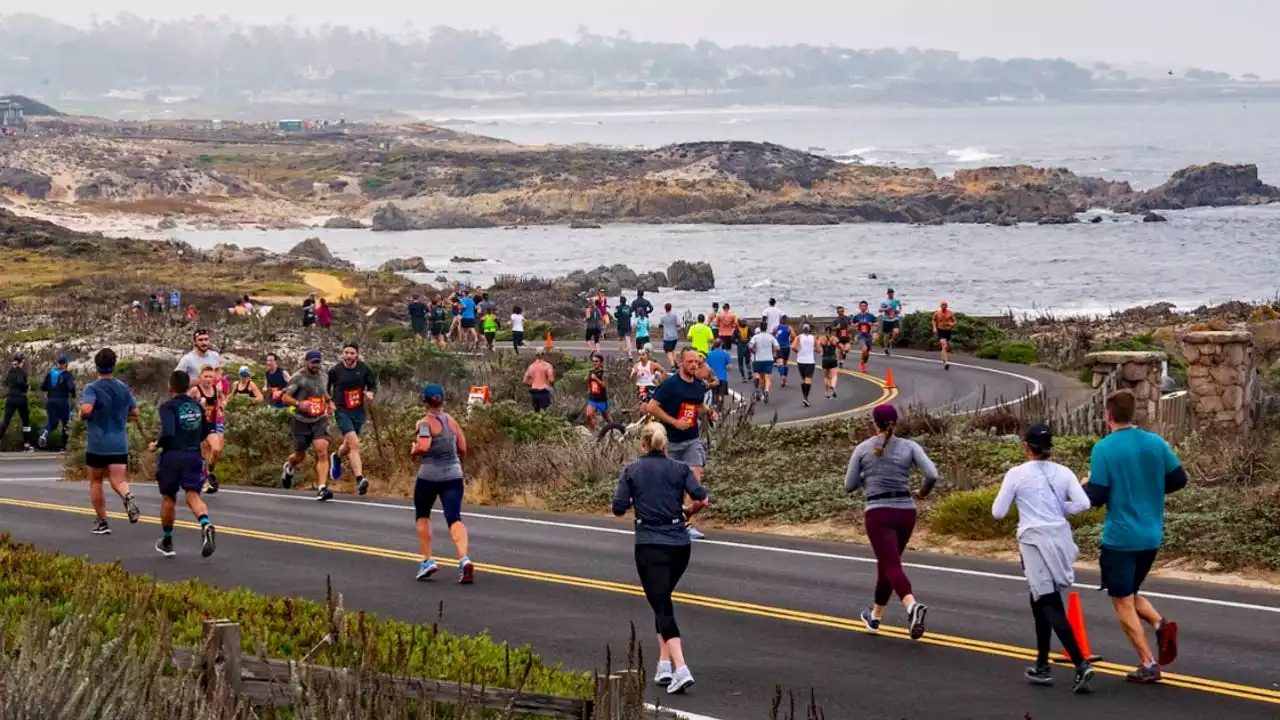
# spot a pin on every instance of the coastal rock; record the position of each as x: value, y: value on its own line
x: 316, y: 252
x: 343, y: 223
x: 166, y: 223
x: 409, y: 264
x: 390, y: 218
x: 230, y: 253
x: 651, y: 281
x: 465, y: 259
x: 1154, y: 217
x: 584, y: 225
x: 685, y: 275
x: 1215, y: 185
x: 612, y: 279
x: 1095, y: 219
x: 33, y: 185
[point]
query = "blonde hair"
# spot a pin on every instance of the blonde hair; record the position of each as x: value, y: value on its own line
x: 653, y: 437
x: 208, y: 368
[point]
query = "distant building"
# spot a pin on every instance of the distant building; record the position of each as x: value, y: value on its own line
x: 11, y: 114
x: 290, y: 126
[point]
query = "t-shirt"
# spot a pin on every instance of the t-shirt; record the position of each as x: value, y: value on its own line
x: 727, y: 323
x: 593, y: 317
x: 623, y: 314
x: 700, y: 337
x: 517, y: 322
x: 308, y: 313
x: 182, y: 425
x: 347, y: 386
x: 486, y: 306
x: 1040, y: 489
x: 642, y: 326
x: 112, y: 401
x: 418, y: 313
x: 307, y: 387
x: 842, y: 326
x: 670, y: 327
x: 275, y: 386
x: 193, y: 361
x: 719, y: 361
x: 596, y: 390
x: 681, y: 398
x: 175, y: 298
x: 468, y: 308
x: 865, y: 322
x: 1132, y: 463
x: 773, y: 317
x: 437, y: 314
x: 763, y: 346
x: 890, y: 309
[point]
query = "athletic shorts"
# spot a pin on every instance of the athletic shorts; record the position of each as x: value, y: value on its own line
x: 541, y: 399
x: 944, y: 335
x: 517, y: 338
x: 349, y: 422
x: 844, y: 341
x: 641, y: 342
x: 217, y: 428
x: 1124, y: 570
x: 102, y: 462
x: 727, y: 342
x: 864, y: 341
x: 690, y: 452
x: 468, y: 323
x: 420, y: 328
x: 829, y: 363
x: 889, y: 325
x: 762, y: 367
x: 305, y: 433
x: 721, y: 391
x: 624, y: 332
x: 806, y: 370
x: 669, y: 345
x: 784, y: 354
x: 599, y: 406
x: 644, y: 392
x: 179, y: 470
x: 593, y: 335
x: 437, y: 329
x: 450, y: 495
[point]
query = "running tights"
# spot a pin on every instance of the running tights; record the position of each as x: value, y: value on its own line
x: 889, y: 530
x: 804, y: 388
x: 744, y: 361
x: 17, y: 405
x: 1050, y: 615
x: 660, y: 568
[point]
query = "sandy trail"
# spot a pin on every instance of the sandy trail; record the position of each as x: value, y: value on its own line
x: 329, y: 287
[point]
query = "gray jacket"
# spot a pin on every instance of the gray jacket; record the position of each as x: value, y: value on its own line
x: 1049, y: 554
x: 887, y: 477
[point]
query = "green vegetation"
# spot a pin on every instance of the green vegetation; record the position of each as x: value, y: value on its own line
x: 372, y: 184
x: 1023, y: 353
x: 969, y: 335
x: 967, y: 515
x: 31, y: 108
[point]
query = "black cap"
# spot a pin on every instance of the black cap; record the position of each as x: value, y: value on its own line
x: 1039, y: 436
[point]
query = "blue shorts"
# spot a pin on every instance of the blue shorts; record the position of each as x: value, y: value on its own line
x: 349, y: 422
x: 1123, y: 571
x: 598, y: 406
x: 762, y: 367
x: 179, y: 470
x: 865, y: 341
x: 217, y: 428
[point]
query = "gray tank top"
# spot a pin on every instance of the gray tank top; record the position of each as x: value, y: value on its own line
x: 440, y: 463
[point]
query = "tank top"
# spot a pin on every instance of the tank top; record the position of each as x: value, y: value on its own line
x: 210, y: 404
x: 243, y: 390
x: 828, y: 352
x: 644, y: 374
x: 804, y: 353
x: 784, y: 337
x: 440, y: 463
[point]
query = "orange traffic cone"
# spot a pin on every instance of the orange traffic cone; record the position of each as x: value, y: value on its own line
x: 548, y: 339
x: 888, y: 378
x: 1075, y: 616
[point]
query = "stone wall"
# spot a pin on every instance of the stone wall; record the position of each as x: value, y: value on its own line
x: 1220, y: 371
x: 1141, y: 372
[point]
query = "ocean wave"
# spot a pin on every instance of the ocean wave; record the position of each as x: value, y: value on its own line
x: 770, y: 283
x: 971, y: 155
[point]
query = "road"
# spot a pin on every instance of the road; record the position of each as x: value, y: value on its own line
x: 755, y: 611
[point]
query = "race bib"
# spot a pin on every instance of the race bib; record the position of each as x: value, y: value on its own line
x: 352, y: 399
x: 688, y: 412
x: 276, y: 394
x: 595, y: 387
x: 864, y: 328
x: 209, y: 410
x: 315, y: 406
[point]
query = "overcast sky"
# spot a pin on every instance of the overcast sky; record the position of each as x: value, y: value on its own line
x: 1237, y: 36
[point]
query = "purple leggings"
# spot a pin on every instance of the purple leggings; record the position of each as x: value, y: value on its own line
x: 889, y: 530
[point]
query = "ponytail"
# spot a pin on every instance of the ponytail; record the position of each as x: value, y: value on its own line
x: 888, y: 435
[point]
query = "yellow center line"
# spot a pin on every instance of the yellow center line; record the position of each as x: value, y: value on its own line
x: 1190, y: 682
x: 887, y: 394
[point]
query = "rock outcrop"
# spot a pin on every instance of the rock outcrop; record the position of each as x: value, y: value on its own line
x: 34, y: 185
x: 1152, y: 217
x: 410, y: 264
x: 685, y: 275
x: 316, y: 252
x: 651, y: 281
x: 1215, y: 185
x: 343, y: 223
x: 390, y: 218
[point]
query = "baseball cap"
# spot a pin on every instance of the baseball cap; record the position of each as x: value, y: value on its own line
x: 433, y: 391
x: 63, y: 359
x: 1039, y: 436
x: 19, y: 357
x: 314, y: 356
x: 805, y: 327
x: 244, y: 371
x: 890, y: 289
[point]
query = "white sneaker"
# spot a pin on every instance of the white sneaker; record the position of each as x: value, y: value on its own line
x: 664, y: 674
x: 682, y: 680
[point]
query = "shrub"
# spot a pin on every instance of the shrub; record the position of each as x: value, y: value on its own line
x: 967, y: 515
x: 970, y: 332
x: 394, y: 333
x: 1023, y: 353
x: 517, y: 424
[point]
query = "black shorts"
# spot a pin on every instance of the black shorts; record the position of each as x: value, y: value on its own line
x: 829, y: 363
x: 889, y: 325
x: 784, y: 354
x: 624, y: 332
x: 179, y: 470
x: 669, y: 345
x: 468, y: 323
x: 305, y: 433
x: 806, y: 370
x: 102, y: 462
x: 1123, y: 571
x: 541, y: 399
x: 727, y: 342
x: 593, y: 335
x: 449, y: 493
x: 844, y: 341
x: 419, y: 328
x: 517, y: 338
x: 437, y: 329
x: 944, y: 335
x: 720, y: 392
x: 641, y: 342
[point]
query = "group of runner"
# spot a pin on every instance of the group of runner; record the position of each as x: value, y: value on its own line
x: 464, y: 316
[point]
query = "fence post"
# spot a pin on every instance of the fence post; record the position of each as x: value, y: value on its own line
x: 223, y: 637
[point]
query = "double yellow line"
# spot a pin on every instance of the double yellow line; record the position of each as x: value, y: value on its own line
x: 887, y: 394
x: 1244, y: 692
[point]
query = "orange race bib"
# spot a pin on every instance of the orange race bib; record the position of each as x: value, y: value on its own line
x: 352, y: 399
x: 595, y: 387
x: 688, y: 412
x: 316, y: 406
x: 209, y: 411
x: 864, y: 328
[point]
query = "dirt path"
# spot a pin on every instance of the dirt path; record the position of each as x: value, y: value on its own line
x: 329, y: 287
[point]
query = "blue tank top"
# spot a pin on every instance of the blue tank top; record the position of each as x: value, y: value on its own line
x: 784, y: 336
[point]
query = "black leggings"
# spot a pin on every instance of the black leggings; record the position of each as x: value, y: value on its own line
x: 1050, y: 615
x: 660, y: 568
x: 20, y: 406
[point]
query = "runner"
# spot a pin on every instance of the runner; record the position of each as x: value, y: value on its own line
x: 180, y: 466
x: 309, y: 310
x: 713, y: 320
x: 486, y: 305
x: 1046, y: 493
x: 764, y: 348
x: 719, y: 361
x: 418, y: 317
x: 438, y: 317
x: 883, y: 465
x: 489, y: 325
x: 17, y: 384
x: 244, y: 385
x: 701, y: 335
x: 438, y: 448
x: 742, y: 336
x: 212, y: 400
x: 351, y: 386
x: 727, y: 326
x: 324, y: 315
x: 467, y: 309
x: 517, y: 328
x: 783, y: 334
x: 622, y: 314
x: 677, y: 403
x: 804, y: 345
x: 175, y: 299
x: 772, y: 315
x: 655, y: 486
x: 60, y: 387
x: 595, y: 326
x: 602, y: 305
x: 308, y: 392
x: 865, y: 323
x: 277, y: 379
x: 597, y: 392
x: 640, y: 305
x: 890, y: 320
x: 642, y: 328
x: 670, y: 334
x: 843, y: 334
x: 202, y: 354
x: 1130, y: 471
x: 828, y: 344
x: 647, y: 375
x: 455, y: 313
x: 107, y: 406
x: 540, y: 376
x: 944, y: 322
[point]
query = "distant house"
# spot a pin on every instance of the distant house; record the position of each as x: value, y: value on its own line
x: 290, y: 125
x: 11, y: 114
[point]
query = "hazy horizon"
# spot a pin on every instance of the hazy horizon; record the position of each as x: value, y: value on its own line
x: 1233, y: 37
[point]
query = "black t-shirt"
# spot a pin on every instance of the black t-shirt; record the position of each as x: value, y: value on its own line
x: 681, y: 399
x: 623, y: 314
x: 16, y: 383
x: 437, y: 313
x: 641, y: 305
x: 275, y: 386
x: 418, y: 312
x: 596, y: 390
x: 308, y: 313
x: 347, y: 386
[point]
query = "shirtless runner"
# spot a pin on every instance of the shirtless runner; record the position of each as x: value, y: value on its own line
x: 944, y: 322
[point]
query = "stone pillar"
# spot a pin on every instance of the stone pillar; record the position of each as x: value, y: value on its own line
x: 1141, y: 372
x: 1220, y: 371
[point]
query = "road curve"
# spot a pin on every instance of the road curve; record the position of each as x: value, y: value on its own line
x: 755, y: 611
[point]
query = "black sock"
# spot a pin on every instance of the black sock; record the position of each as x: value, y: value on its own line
x: 804, y: 390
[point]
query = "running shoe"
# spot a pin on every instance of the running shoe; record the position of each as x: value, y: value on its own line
x: 766, y: 397
x: 1039, y: 675
x: 208, y: 541
x: 466, y: 572
x: 1145, y: 674
x: 870, y: 621
x: 680, y: 681
x: 131, y: 508
x: 362, y: 486
x: 335, y: 467
x: 164, y: 546
x: 833, y: 392
x: 946, y: 366
x: 100, y: 527
x: 43, y: 442
x: 694, y: 533
x: 915, y: 619
x: 840, y: 363
x: 426, y: 570
x: 1083, y: 677
x: 1167, y: 638
x: 213, y: 485
x: 805, y: 403
x: 862, y: 367
x: 664, y: 674
x: 323, y: 494
x: 286, y: 476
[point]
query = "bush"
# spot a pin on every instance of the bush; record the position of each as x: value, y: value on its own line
x: 515, y: 423
x: 967, y: 515
x: 1022, y: 353
x: 394, y: 333
x: 969, y: 335
x: 535, y: 332
x: 12, y: 440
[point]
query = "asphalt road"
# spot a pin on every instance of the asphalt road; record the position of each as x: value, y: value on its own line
x: 756, y: 611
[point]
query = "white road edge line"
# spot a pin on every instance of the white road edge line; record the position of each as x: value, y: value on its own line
x: 30, y: 480
x: 1036, y: 386
x: 679, y: 713
x: 768, y: 548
